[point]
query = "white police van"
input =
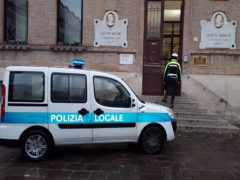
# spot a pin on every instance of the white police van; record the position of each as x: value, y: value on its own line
x: 43, y: 107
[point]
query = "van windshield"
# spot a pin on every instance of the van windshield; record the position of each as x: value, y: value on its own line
x: 135, y: 93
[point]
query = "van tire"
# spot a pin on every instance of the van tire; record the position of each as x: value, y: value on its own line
x: 152, y: 140
x: 36, y: 145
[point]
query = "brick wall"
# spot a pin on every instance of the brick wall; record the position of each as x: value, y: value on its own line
x: 220, y: 61
x: 42, y: 22
x: 42, y: 35
x: 125, y: 9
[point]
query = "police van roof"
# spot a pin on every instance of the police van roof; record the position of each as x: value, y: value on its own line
x: 54, y: 68
x: 34, y: 68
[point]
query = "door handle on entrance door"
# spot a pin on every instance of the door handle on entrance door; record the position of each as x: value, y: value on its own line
x: 83, y: 112
x: 98, y: 111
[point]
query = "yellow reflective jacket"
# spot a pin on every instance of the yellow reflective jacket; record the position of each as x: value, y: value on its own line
x: 166, y: 70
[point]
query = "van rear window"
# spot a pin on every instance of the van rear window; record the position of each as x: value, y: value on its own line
x: 26, y: 87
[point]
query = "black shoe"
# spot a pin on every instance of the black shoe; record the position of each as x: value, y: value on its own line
x: 171, y: 106
x: 164, y: 100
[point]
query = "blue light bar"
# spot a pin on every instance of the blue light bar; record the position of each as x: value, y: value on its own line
x: 78, y: 63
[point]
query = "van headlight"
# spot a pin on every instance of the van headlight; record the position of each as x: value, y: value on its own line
x: 170, y: 113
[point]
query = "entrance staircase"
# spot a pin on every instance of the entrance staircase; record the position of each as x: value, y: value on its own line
x: 191, y: 117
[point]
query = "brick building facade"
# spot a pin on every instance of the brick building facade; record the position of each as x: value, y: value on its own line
x: 218, y: 75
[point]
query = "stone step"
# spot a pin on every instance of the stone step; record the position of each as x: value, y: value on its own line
x: 201, y: 122
x: 209, y: 129
x: 190, y: 109
x: 183, y: 103
x: 195, y: 115
x: 176, y: 100
x: 180, y: 105
x: 159, y: 99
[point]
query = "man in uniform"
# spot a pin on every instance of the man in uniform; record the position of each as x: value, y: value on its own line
x: 172, y: 77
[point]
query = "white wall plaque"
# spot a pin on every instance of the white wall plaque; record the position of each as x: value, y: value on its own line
x: 218, y: 33
x: 126, y: 58
x: 111, y: 31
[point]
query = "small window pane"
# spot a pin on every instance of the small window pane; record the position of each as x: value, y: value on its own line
x: 176, y: 28
x: 69, y: 88
x: 167, y: 46
x: 154, y: 19
x: 109, y: 92
x: 26, y: 86
x: 78, y: 89
x: 59, y: 88
x: 176, y: 44
x: 69, y: 22
x: 16, y: 21
x: 167, y: 28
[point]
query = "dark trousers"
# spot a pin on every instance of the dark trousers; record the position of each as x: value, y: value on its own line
x: 170, y: 90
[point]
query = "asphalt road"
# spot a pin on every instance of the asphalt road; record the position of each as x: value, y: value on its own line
x: 189, y: 156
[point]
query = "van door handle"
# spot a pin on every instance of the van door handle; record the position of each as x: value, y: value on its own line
x: 83, y: 112
x: 98, y: 111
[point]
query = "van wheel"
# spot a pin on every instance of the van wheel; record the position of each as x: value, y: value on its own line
x: 36, y: 145
x: 152, y: 140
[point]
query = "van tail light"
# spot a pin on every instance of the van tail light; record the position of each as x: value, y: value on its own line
x: 3, y: 102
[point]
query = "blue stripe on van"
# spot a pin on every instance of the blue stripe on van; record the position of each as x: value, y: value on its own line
x: 25, y: 118
x: 75, y: 118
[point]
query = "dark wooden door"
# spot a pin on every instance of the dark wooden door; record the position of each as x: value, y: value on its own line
x: 152, y: 64
x: 162, y: 37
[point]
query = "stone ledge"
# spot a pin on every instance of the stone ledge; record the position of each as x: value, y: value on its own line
x: 218, y: 52
x: 14, y: 47
x: 108, y: 49
x: 41, y: 47
x: 67, y: 48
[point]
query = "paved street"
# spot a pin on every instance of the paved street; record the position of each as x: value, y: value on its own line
x: 190, y: 156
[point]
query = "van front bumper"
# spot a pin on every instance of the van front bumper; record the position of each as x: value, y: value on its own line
x: 174, y: 125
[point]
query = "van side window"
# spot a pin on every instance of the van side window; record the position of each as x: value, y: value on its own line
x: 26, y: 87
x: 109, y: 92
x: 69, y: 88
